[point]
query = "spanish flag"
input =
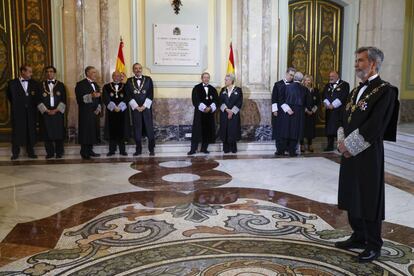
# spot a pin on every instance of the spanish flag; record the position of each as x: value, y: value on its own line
x: 230, y: 64
x: 120, y: 63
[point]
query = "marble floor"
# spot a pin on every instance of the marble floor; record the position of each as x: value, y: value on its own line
x: 175, y: 215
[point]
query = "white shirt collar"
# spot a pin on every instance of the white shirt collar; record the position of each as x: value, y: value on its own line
x: 373, y: 77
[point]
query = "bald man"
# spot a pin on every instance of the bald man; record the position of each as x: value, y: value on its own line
x: 117, y: 119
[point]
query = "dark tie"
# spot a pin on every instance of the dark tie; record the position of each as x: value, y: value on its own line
x: 362, y: 84
x: 49, y: 82
x: 25, y: 80
x: 205, y: 85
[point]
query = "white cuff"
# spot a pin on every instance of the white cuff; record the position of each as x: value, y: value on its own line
x: 341, y: 134
x: 286, y: 108
x: 147, y: 103
x: 98, y: 109
x: 314, y: 108
x: 235, y: 110
x: 42, y: 108
x: 213, y: 107
x: 111, y: 106
x: 122, y: 106
x: 355, y: 143
x: 61, y: 107
x: 87, y: 98
x: 223, y: 107
x: 336, y: 103
x: 274, y: 107
x: 326, y: 102
x: 133, y: 104
x: 201, y: 107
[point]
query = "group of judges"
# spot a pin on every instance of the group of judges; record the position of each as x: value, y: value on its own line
x: 360, y: 120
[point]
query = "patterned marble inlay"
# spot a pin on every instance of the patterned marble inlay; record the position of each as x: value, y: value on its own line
x: 180, y: 177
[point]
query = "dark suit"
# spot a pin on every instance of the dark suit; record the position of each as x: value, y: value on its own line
x: 23, y: 115
x: 230, y: 129
x: 278, y: 97
x: 204, y: 125
x: 141, y: 94
x: 52, y: 126
x: 88, y: 119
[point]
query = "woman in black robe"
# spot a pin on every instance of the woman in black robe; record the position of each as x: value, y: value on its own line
x: 231, y: 100
x: 310, y: 115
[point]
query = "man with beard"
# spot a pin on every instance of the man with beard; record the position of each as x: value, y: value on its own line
x: 204, y: 97
x: 278, y: 96
x: 335, y: 95
x: 370, y: 117
x: 88, y: 97
x: 21, y: 93
x: 52, y: 106
x: 140, y: 94
x: 117, y: 119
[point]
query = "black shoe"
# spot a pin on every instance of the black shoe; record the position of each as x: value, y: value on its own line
x: 32, y: 156
x: 49, y: 156
x: 93, y: 154
x: 123, y: 153
x: 191, y: 152
x: 205, y: 151
x: 137, y: 153
x: 59, y: 156
x: 152, y: 153
x: 234, y: 151
x: 86, y: 157
x: 369, y: 255
x: 279, y: 153
x: 110, y: 153
x: 226, y: 151
x: 350, y: 243
x: 14, y: 157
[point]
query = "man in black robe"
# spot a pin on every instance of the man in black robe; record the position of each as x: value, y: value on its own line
x: 205, y: 98
x: 140, y: 94
x: 335, y: 94
x: 21, y: 92
x: 278, y: 94
x: 117, y: 119
x: 88, y: 97
x: 52, y: 106
x: 370, y: 117
x: 231, y: 101
x: 295, y: 102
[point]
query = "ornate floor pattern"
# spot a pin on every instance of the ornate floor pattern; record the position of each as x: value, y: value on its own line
x: 232, y: 235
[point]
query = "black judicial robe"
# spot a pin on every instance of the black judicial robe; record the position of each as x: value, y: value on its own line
x: 230, y: 129
x: 23, y: 111
x: 204, y: 125
x: 310, y: 120
x: 297, y: 97
x: 116, y: 123
x: 52, y: 126
x: 333, y: 117
x: 88, y: 120
x: 278, y: 96
x: 361, y: 177
x: 142, y: 121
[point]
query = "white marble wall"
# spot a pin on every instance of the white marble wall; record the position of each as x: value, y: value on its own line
x: 381, y: 24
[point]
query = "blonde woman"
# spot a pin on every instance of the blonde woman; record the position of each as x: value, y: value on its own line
x: 310, y: 115
x: 231, y: 100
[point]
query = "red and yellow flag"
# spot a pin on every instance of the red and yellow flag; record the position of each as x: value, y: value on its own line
x: 120, y: 63
x: 230, y: 64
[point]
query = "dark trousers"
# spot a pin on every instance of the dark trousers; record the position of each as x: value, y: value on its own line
x: 331, y: 140
x: 227, y: 147
x: 194, y: 146
x: 279, y: 146
x: 86, y: 150
x: 16, y: 149
x: 289, y: 145
x: 138, y: 145
x: 54, y: 147
x: 368, y: 232
x: 114, y: 143
x: 302, y: 142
